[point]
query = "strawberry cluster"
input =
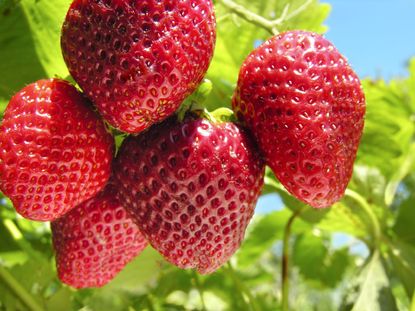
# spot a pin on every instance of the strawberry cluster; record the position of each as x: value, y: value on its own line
x: 188, y: 186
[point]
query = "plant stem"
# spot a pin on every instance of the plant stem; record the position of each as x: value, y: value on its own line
x: 249, y: 16
x: 199, y: 289
x: 19, y: 239
x: 269, y: 25
x: 242, y: 287
x: 285, y: 259
x: 377, y: 232
x: 19, y: 291
x: 149, y: 301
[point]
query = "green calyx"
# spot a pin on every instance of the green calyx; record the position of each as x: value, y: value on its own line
x: 221, y: 115
x: 194, y: 106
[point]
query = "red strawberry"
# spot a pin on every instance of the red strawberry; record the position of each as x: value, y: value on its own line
x: 55, y: 151
x: 192, y: 188
x: 305, y: 106
x: 95, y: 240
x: 138, y: 60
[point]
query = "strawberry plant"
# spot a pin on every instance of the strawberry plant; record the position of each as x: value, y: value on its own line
x: 136, y: 187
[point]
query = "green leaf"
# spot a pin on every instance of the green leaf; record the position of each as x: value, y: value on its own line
x: 133, y: 280
x: 309, y: 214
x: 226, y: 290
x: 6, y: 6
x: 173, y: 280
x: 405, y: 220
x: 9, y: 293
x: 61, y: 300
x: 411, y: 84
x: 203, y: 91
x: 375, y: 289
x: 317, y: 262
x: 406, y: 167
x: 389, y: 127
x: 263, y: 233
x: 30, y: 42
x: 236, y: 38
x: 346, y: 219
x: 28, y: 282
x: 144, y: 268
x: 223, y: 115
x: 3, y: 105
x: 403, y: 260
x: 370, y: 183
x: 196, y: 101
x: 12, y: 258
x: 7, y: 242
x: 413, y: 303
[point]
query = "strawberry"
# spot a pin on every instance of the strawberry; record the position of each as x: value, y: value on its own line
x: 138, y: 60
x: 95, y: 240
x: 305, y: 106
x: 55, y: 151
x: 191, y: 188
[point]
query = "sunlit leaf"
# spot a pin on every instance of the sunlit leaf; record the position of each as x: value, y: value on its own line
x: 403, y: 259
x: 342, y: 218
x: 406, y: 167
x: 7, y: 243
x: 411, y: 83
x: 236, y: 38
x: 308, y: 214
x: 138, y: 273
x: 61, y: 300
x: 383, y: 178
x: 375, y: 289
x: 8, y: 300
x: 405, y: 220
x: 317, y: 262
x: 389, y: 127
x: 370, y: 183
x: 33, y: 278
x: 30, y: 42
x: 227, y: 291
x: 263, y: 235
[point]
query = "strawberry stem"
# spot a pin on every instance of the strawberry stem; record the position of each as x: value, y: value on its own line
x: 269, y: 25
x: 18, y: 290
x: 223, y: 115
x: 149, y: 301
x: 242, y: 288
x: 285, y: 259
x: 377, y: 232
x: 199, y: 289
x: 195, y: 102
x: 20, y: 240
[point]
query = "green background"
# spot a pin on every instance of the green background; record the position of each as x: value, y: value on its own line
x: 377, y: 214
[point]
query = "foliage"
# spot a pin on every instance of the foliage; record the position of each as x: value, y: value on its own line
x: 376, y: 218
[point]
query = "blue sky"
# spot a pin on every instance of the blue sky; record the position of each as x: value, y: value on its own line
x: 377, y: 36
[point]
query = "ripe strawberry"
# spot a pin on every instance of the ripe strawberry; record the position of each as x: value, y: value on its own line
x: 138, y: 60
x: 95, y: 240
x: 55, y: 151
x: 305, y: 106
x: 192, y: 188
